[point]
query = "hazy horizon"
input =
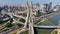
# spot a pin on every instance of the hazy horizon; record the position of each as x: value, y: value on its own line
x: 24, y: 1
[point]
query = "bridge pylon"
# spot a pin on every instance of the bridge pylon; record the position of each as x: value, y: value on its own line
x: 29, y: 19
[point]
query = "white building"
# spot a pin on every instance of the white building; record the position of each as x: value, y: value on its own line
x: 42, y: 8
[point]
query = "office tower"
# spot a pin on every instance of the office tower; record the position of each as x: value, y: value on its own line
x: 49, y: 7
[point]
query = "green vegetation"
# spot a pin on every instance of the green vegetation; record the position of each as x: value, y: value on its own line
x: 40, y: 31
x: 55, y: 32
x: 37, y: 21
x: 22, y: 20
x: 26, y: 32
x: 1, y: 22
x: 4, y: 29
x: 16, y: 26
x: 8, y: 25
x: 19, y: 25
x: 24, y: 14
x: 44, y: 31
x: 38, y: 14
x: 15, y: 17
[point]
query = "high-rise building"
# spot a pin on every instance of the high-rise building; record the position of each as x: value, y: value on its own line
x: 42, y: 8
x: 46, y: 7
x: 49, y: 7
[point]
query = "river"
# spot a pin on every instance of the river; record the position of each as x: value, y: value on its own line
x: 53, y: 21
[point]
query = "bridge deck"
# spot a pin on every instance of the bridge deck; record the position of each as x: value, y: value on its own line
x: 47, y: 26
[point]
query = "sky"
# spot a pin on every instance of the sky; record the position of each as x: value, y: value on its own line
x: 24, y: 1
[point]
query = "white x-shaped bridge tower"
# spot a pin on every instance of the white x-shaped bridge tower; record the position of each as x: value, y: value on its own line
x: 29, y: 19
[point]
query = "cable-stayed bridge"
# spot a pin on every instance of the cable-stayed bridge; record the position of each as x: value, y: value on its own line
x: 29, y: 20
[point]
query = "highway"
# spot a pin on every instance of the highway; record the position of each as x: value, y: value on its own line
x: 14, y: 14
x: 5, y: 19
x: 16, y: 21
x: 48, y: 16
x: 8, y: 30
x: 31, y: 29
x: 19, y: 16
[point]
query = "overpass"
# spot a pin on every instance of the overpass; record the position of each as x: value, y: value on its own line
x: 12, y: 14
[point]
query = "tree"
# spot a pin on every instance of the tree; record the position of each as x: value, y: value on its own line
x: 8, y: 25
